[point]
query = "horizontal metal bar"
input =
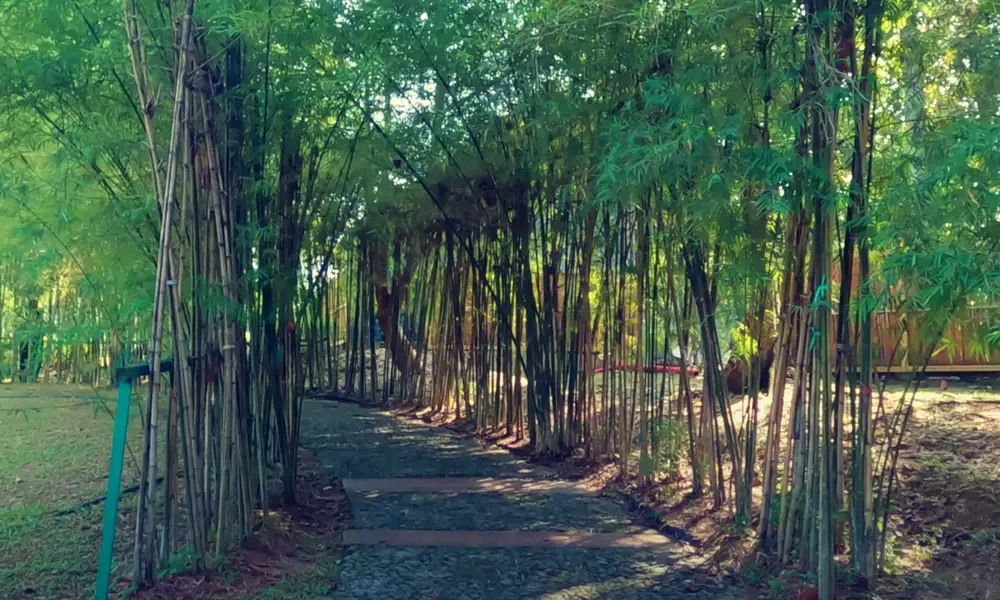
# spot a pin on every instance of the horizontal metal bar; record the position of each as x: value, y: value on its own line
x: 133, y: 372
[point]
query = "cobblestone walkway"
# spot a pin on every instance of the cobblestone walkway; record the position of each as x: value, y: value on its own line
x: 438, y: 517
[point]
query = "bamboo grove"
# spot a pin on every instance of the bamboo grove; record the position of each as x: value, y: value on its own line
x: 513, y: 214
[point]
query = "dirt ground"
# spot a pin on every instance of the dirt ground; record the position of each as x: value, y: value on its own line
x: 945, y: 538
x: 294, y: 555
x: 944, y: 535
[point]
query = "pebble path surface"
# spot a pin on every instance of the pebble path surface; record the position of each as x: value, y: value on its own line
x: 355, y: 442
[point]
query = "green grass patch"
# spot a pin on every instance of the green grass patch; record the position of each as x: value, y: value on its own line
x: 305, y: 584
x: 55, y: 443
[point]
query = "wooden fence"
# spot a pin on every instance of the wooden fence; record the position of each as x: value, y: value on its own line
x: 901, y: 345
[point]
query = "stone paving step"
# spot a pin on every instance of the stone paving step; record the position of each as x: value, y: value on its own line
x: 468, y: 485
x: 353, y: 441
x: 490, y: 511
x: 565, y: 573
x: 455, y: 522
x: 504, y: 539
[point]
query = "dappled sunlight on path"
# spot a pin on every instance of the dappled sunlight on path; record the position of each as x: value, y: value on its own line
x: 438, y: 516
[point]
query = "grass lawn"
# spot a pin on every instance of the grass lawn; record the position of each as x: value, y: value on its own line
x: 55, y: 442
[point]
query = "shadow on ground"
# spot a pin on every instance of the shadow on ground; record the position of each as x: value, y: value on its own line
x: 357, y: 442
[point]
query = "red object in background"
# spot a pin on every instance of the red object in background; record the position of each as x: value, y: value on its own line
x: 673, y: 370
x: 809, y: 593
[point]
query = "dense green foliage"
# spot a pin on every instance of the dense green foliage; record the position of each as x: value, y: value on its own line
x: 522, y: 88
x: 529, y: 185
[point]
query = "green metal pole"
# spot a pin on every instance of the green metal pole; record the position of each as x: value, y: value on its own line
x: 114, y: 487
